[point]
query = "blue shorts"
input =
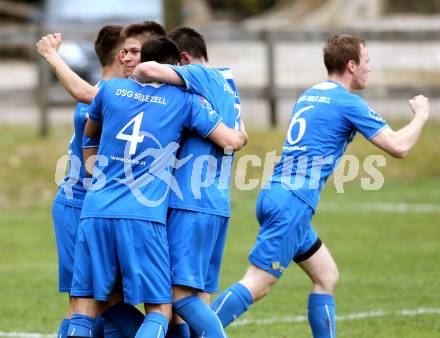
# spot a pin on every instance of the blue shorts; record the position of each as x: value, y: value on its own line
x: 196, y: 242
x: 135, y: 250
x: 66, y: 223
x: 285, y: 233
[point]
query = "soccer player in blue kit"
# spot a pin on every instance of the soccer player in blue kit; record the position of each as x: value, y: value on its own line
x: 70, y: 196
x: 123, y: 220
x: 324, y: 121
x: 119, y: 316
x: 202, y: 214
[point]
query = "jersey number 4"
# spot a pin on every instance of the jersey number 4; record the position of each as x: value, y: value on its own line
x: 301, y: 122
x: 134, y: 138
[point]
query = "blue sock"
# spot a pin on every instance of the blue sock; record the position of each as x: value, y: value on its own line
x: 64, y: 326
x: 178, y: 331
x: 111, y: 331
x: 81, y: 326
x: 232, y: 303
x: 155, y: 325
x: 125, y: 317
x: 98, y: 331
x: 201, y: 319
x: 322, y: 315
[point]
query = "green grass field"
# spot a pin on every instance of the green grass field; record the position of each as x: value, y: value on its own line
x: 389, y: 260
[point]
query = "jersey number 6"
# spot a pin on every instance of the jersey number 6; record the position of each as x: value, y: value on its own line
x: 296, y: 119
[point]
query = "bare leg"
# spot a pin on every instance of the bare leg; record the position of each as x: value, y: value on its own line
x: 116, y: 298
x: 85, y: 306
x: 69, y: 311
x: 258, y: 281
x: 324, y: 274
x: 322, y: 270
x: 205, y: 296
x: 234, y: 301
x: 163, y: 309
x: 82, y: 323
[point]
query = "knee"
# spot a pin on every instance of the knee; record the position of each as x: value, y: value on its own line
x: 326, y: 282
x: 262, y: 290
x: 164, y: 309
x: 258, y: 282
x: 181, y: 291
x: 115, y: 298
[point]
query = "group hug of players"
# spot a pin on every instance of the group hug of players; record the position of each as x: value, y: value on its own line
x: 143, y: 213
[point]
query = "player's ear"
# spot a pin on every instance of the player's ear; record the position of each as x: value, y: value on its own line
x: 351, y: 66
x: 120, y: 56
x: 185, y: 59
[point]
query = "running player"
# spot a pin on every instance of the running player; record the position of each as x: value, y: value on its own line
x: 324, y: 120
x: 122, y: 227
x: 202, y: 214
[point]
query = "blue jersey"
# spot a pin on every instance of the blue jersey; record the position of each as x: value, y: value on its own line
x: 141, y: 127
x: 73, y: 189
x: 324, y: 121
x: 205, y: 178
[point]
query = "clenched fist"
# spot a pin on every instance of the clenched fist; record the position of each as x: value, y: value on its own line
x: 49, y: 44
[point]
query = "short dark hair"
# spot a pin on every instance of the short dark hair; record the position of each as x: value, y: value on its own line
x: 340, y: 49
x: 107, y: 44
x: 146, y: 29
x: 161, y: 50
x: 190, y: 41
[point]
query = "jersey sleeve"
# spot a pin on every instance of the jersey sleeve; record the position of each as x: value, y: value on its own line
x: 95, y: 111
x: 88, y: 142
x: 196, y: 78
x: 365, y: 120
x: 201, y: 118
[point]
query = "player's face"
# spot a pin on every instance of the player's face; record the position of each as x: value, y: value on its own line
x: 361, y: 70
x: 132, y: 54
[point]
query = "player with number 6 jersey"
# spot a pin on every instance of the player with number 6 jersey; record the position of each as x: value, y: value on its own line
x: 318, y: 134
x: 324, y: 121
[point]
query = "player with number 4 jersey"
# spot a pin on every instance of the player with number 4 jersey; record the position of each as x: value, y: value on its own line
x: 124, y: 213
x: 324, y: 121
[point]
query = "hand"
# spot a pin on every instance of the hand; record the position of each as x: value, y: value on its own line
x: 420, y: 106
x: 49, y: 44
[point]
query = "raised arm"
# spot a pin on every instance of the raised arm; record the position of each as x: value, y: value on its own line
x: 228, y: 138
x: 152, y: 71
x: 399, y: 143
x: 79, y: 89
